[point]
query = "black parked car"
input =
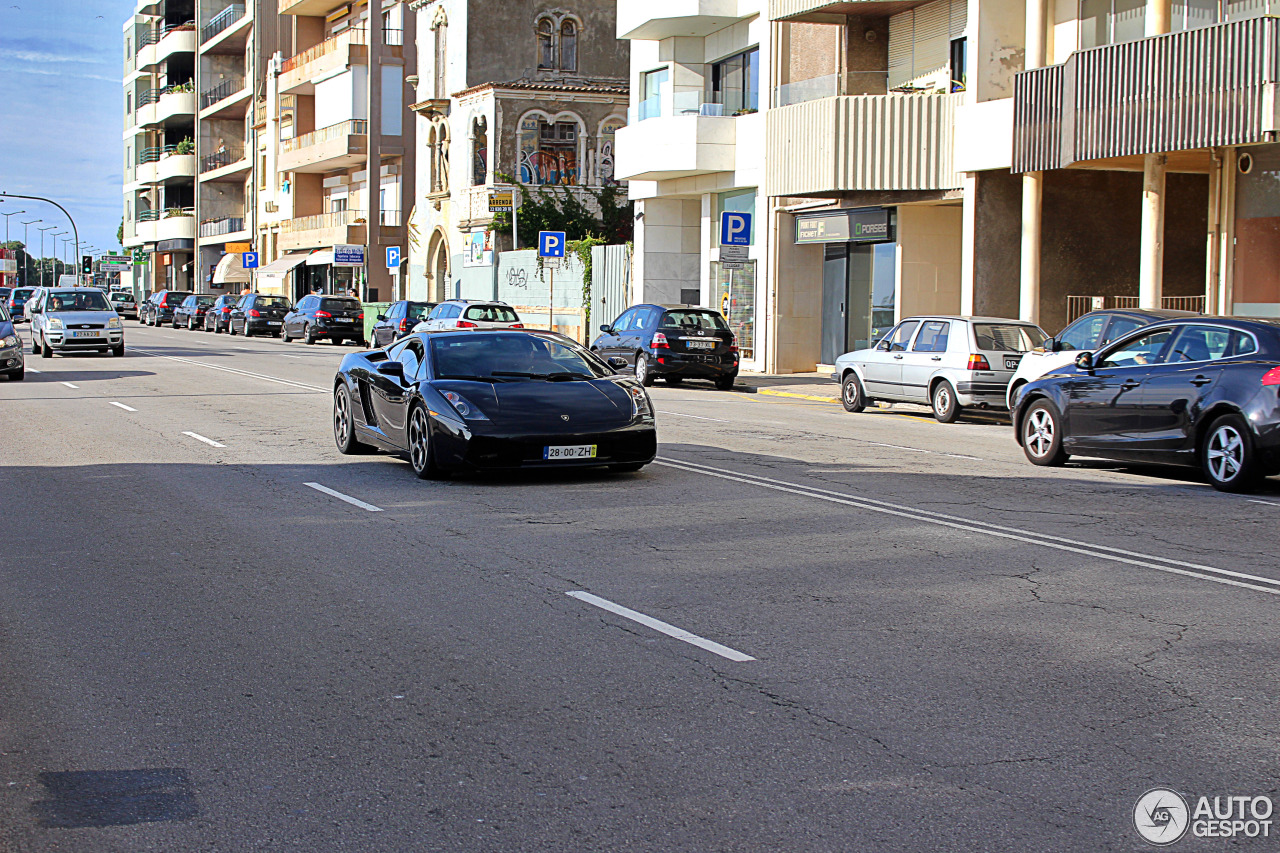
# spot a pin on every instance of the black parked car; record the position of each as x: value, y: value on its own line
x: 17, y: 303
x: 481, y: 399
x: 159, y: 308
x: 674, y: 342
x: 338, y: 318
x: 190, y: 314
x: 1202, y: 391
x: 256, y: 314
x: 218, y: 317
x: 399, y: 321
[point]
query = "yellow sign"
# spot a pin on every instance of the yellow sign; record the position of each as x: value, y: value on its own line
x: 239, y: 248
x: 502, y: 201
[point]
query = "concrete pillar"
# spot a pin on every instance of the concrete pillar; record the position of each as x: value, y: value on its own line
x: 1151, y: 259
x: 968, y: 243
x: 1033, y: 182
x: 1213, y: 228
x: 1159, y: 17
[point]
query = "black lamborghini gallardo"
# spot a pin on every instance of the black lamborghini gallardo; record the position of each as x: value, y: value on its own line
x: 492, y: 399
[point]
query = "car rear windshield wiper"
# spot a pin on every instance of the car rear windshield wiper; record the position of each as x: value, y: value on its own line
x: 467, y: 378
x: 562, y: 376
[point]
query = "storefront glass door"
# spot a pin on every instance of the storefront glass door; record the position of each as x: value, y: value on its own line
x: 858, y: 296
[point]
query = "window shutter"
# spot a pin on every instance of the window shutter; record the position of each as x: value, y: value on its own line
x: 933, y: 41
x: 901, y: 36
x: 959, y: 17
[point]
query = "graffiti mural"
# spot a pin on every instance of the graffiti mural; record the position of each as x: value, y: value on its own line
x: 549, y: 153
x: 608, y: 168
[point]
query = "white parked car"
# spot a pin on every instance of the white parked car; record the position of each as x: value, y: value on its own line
x: 949, y: 363
x: 1089, y: 332
x: 470, y: 314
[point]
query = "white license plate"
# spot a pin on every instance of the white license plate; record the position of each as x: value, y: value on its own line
x: 86, y: 334
x: 700, y: 344
x: 1011, y: 362
x: 273, y: 322
x: 575, y: 451
x: 343, y: 319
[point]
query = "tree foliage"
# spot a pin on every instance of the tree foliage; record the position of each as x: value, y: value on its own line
x: 31, y: 271
x: 556, y: 208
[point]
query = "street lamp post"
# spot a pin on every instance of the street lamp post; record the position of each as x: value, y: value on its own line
x: 42, y: 258
x: 6, y: 222
x: 26, y: 248
x: 74, y: 230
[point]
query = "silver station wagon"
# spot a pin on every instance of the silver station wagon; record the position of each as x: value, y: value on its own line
x: 949, y: 363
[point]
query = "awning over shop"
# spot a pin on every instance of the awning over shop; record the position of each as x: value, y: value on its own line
x: 230, y: 270
x: 320, y: 257
x: 283, y: 265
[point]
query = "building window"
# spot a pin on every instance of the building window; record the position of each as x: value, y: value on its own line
x: 959, y: 65
x: 568, y: 46
x: 337, y: 204
x: 480, y: 147
x: 735, y: 83
x: 546, y: 44
x: 653, y: 89
x: 128, y: 102
x: 549, y: 152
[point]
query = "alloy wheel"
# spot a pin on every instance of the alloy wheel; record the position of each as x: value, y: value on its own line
x: 419, y: 444
x: 642, y: 369
x: 1225, y: 453
x: 1039, y: 433
x: 342, y: 417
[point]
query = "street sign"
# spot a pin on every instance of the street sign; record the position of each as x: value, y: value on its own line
x: 238, y: 248
x: 393, y: 257
x: 551, y: 244
x: 733, y: 257
x: 502, y: 201
x: 139, y: 257
x: 735, y: 229
x: 249, y: 260
x: 348, y: 256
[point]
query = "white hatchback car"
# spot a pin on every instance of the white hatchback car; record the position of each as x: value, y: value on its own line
x: 1089, y: 332
x: 949, y: 363
x: 71, y: 319
x: 470, y: 314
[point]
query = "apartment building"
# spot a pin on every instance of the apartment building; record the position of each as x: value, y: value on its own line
x: 527, y: 90
x: 335, y: 157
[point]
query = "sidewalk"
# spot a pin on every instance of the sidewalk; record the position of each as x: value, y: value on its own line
x: 801, y: 386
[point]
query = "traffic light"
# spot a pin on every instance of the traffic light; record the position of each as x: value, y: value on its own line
x: 86, y: 264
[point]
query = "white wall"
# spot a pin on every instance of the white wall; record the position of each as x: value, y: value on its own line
x: 343, y: 97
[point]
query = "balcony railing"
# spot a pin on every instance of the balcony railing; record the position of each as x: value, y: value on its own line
x: 176, y: 212
x: 680, y: 104
x: 148, y: 216
x: 188, y: 27
x: 156, y: 154
x: 220, y: 158
x: 1199, y: 88
x: 150, y: 96
x: 148, y: 37
x: 218, y: 227
x: 335, y: 219
x: 354, y: 35
x: 835, y: 85
x: 221, y: 21
x: 354, y: 127
x: 223, y: 90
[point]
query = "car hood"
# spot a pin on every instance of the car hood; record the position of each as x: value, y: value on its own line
x: 548, y: 407
x: 6, y: 329
x: 78, y: 317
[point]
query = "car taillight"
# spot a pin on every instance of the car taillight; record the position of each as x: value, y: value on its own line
x: 324, y: 314
x: 467, y: 324
x: 253, y: 312
x: 517, y: 325
x: 404, y: 325
x: 1271, y: 377
x: 978, y: 362
x: 360, y: 316
x: 659, y: 341
x: 733, y: 348
x: 226, y: 310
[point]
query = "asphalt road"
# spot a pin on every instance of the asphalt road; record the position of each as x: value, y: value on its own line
x: 890, y: 634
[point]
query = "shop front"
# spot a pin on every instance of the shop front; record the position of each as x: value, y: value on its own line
x: 859, y: 274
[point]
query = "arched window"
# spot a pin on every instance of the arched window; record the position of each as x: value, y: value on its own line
x: 480, y: 147
x: 568, y: 46
x: 546, y: 44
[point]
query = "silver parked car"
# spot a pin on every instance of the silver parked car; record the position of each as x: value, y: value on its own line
x: 949, y: 363
x: 71, y: 319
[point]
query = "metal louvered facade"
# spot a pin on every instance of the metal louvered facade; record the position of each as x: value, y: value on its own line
x: 1194, y: 89
x: 862, y: 142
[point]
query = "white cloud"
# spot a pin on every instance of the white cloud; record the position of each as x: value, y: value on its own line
x: 43, y: 56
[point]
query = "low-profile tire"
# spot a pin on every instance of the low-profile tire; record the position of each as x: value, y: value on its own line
x: 309, y: 335
x: 344, y: 423
x: 1041, y: 434
x: 35, y: 345
x: 943, y: 400
x: 118, y: 352
x: 642, y: 370
x: 627, y: 467
x: 284, y: 336
x: 673, y: 380
x: 725, y: 383
x: 18, y: 375
x: 421, y: 457
x: 1227, y: 455
x: 231, y: 328
x: 852, y: 395
x: 46, y: 351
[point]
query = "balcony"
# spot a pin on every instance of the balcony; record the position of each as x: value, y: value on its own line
x: 1195, y: 89
x: 831, y: 11
x: 309, y: 7
x: 228, y: 226
x: 145, y: 58
x: 676, y: 136
x: 176, y: 223
x: 179, y: 38
x: 338, y: 146
x: 325, y: 229
x: 328, y: 57
x: 173, y: 167
x: 221, y: 21
x: 661, y: 19
x: 229, y: 163
x: 160, y: 105
x: 849, y: 143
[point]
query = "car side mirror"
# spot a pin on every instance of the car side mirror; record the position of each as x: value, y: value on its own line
x: 1052, y: 345
x: 607, y: 329
x: 617, y: 362
x: 883, y: 346
x: 1084, y: 361
x: 392, y: 368
x: 382, y: 316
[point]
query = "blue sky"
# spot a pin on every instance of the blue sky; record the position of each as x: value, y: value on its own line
x: 61, y: 68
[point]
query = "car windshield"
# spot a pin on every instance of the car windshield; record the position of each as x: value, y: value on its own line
x: 4, y: 292
x: 339, y: 305
x: 121, y: 297
x: 513, y: 357
x: 490, y: 314
x: 420, y: 310
x: 175, y: 298
x: 273, y: 302
x: 207, y: 299
x: 1007, y: 337
x: 4, y: 315
x: 707, y: 320
x: 22, y: 293
x: 78, y: 300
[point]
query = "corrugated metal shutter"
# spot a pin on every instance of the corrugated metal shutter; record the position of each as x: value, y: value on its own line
x: 959, y: 17
x: 901, y: 44
x: 933, y: 40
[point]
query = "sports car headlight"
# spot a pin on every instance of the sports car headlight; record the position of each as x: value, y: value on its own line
x: 464, y: 407
x: 9, y: 341
x: 113, y: 323
x: 55, y: 323
x: 639, y: 401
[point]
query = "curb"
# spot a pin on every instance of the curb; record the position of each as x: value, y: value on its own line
x: 771, y: 393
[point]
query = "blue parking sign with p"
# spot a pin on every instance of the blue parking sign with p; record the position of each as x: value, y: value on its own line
x: 551, y: 244
x: 249, y: 260
x: 393, y: 257
x: 735, y: 229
